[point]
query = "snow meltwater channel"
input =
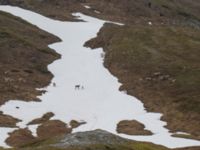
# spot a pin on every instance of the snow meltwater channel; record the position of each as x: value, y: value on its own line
x: 100, y: 104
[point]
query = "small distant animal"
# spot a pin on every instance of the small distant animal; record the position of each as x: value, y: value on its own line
x: 54, y: 84
x: 77, y: 87
x: 17, y: 107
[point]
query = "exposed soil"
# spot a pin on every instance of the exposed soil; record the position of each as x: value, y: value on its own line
x: 92, y: 140
x: 160, y: 66
x: 24, y: 55
x: 52, y: 128
x: 8, y: 121
x: 46, y: 117
x: 130, y: 11
x: 20, y: 137
x: 47, y: 130
x: 132, y: 127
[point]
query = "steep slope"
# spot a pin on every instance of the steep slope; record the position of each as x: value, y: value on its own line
x: 159, y: 65
x: 24, y: 55
x: 128, y: 11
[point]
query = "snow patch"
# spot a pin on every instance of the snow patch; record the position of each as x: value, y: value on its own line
x: 87, y: 7
x: 100, y: 103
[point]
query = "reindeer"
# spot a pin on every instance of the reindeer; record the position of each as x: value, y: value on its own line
x: 77, y: 87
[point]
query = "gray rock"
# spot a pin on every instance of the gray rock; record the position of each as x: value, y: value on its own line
x: 89, y: 138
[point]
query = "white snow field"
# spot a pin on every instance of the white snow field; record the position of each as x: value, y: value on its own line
x: 100, y: 103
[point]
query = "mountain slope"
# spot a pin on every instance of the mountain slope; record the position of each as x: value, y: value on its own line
x: 159, y: 63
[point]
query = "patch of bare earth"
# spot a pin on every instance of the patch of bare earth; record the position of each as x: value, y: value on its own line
x: 132, y: 127
x: 46, y: 117
x: 52, y: 128
x: 47, y: 129
x: 8, y: 121
x: 20, y: 137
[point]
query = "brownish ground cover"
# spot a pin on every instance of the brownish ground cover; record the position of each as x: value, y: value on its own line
x: 132, y: 127
x: 52, y: 128
x: 20, y: 137
x: 8, y: 121
x: 44, y: 118
x: 160, y: 66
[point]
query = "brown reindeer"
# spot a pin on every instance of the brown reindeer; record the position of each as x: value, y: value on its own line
x: 77, y: 87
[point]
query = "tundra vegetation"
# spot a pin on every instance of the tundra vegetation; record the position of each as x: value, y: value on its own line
x: 155, y: 56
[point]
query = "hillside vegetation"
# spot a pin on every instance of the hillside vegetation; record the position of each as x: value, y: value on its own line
x: 155, y: 55
x: 23, y: 55
x: 159, y: 65
x: 92, y: 140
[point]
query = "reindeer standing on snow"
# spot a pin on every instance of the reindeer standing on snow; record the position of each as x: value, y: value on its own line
x: 78, y: 87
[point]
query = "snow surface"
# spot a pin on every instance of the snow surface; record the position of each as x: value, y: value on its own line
x: 87, y: 7
x: 96, y: 11
x: 100, y: 103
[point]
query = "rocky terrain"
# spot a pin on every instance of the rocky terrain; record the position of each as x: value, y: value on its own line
x: 155, y: 55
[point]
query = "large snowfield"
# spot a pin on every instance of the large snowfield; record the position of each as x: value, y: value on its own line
x: 100, y: 103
